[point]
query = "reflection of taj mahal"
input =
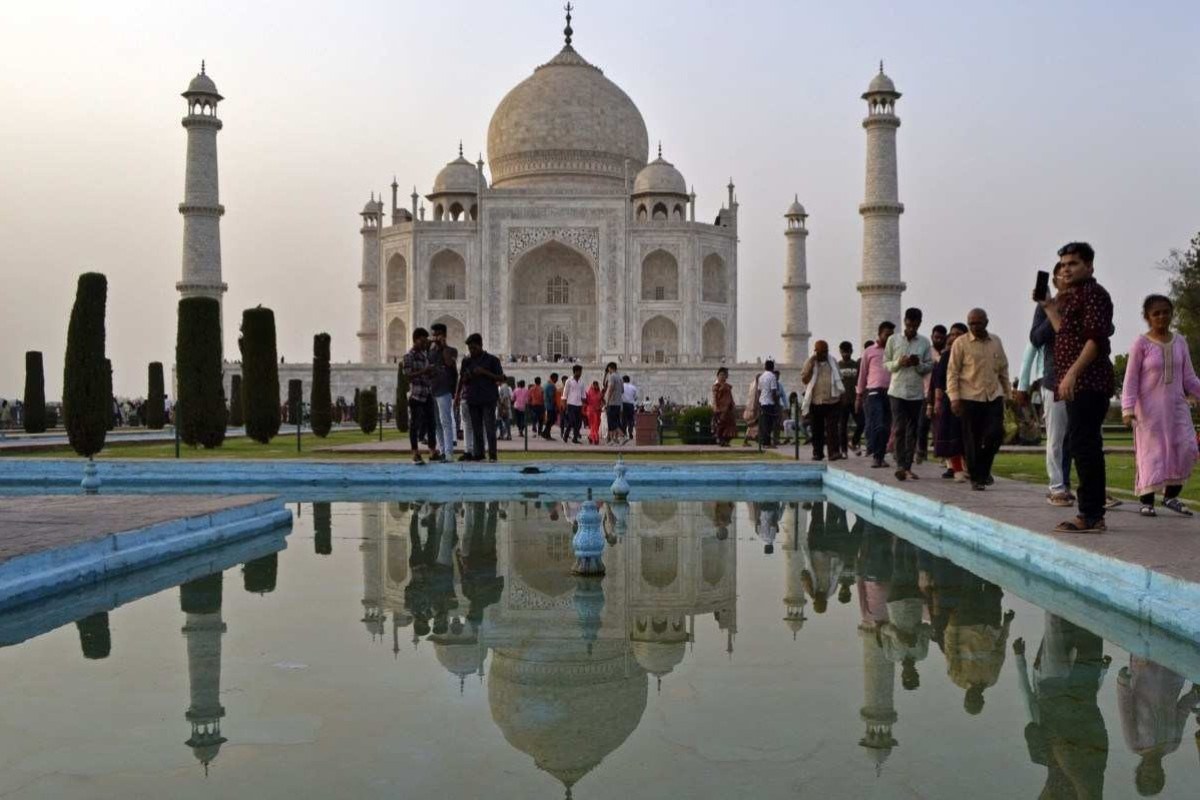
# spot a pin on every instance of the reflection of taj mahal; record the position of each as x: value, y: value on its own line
x: 571, y: 659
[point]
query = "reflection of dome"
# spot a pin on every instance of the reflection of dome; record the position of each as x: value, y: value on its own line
x: 458, y: 177
x: 659, y: 177
x: 566, y: 123
x: 568, y: 715
x: 659, y: 658
x: 659, y: 511
x: 460, y: 656
x: 543, y: 560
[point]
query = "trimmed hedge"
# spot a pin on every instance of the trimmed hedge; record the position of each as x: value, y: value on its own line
x: 260, y: 374
x: 87, y: 401
x: 695, y: 425
x: 236, y: 418
x: 156, y: 388
x: 368, y: 410
x: 320, y: 401
x: 35, y: 393
x: 200, y: 406
x: 401, y: 400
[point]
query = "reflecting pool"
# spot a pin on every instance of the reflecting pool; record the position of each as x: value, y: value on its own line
x: 445, y: 650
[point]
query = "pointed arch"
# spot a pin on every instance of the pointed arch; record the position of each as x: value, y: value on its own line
x: 397, y: 339
x: 660, y: 276
x: 397, y: 279
x: 553, y: 287
x: 714, y: 280
x: 447, y: 276
x: 712, y: 338
x: 456, y: 331
x: 660, y: 340
x: 659, y: 212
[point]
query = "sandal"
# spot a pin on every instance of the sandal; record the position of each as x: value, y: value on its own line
x: 1176, y: 505
x: 1080, y: 525
x: 1147, y: 511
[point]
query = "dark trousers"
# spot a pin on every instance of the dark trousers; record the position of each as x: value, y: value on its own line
x: 519, y: 420
x: 879, y: 422
x: 923, y: 432
x: 825, y: 418
x: 574, y: 423
x: 845, y: 413
x: 627, y: 412
x: 483, y: 421
x: 906, y: 421
x: 983, y: 432
x: 535, y: 419
x: 766, y: 423
x: 551, y: 417
x: 1085, y: 418
x: 421, y: 423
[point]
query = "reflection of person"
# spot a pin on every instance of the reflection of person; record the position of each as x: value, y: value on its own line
x: 824, y: 559
x: 766, y: 524
x: 975, y: 638
x: 905, y: 636
x: 1153, y: 717
x: 476, y: 559
x: 1066, y: 732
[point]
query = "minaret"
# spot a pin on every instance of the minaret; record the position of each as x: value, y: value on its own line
x: 881, y: 286
x: 879, y: 709
x: 201, y: 208
x: 795, y: 562
x: 369, y: 345
x: 374, y: 615
x: 200, y: 600
x: 796, y: 286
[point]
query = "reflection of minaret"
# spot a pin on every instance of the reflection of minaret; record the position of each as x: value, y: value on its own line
x: 200, y: 600
x: 322, y: 528
x: 878, y: 710
x: 794, y: 598
x: 372, y: 549
x: 94, y: 637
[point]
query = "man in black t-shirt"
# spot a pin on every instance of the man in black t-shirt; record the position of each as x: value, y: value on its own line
x: 444, y: 382
x: 481, y: 373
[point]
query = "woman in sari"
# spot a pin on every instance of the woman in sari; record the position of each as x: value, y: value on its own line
x: 1159, y: 384
x: 947, y: 428
x: 724, y: 424
x: 593, y: 406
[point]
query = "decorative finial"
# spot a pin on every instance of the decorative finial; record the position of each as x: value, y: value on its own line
x: 460, y: 148
x: 202, y: 66
x: 660, y: 149
x: 395, y: 185
x: 567, y: 30
x: 881, y: 66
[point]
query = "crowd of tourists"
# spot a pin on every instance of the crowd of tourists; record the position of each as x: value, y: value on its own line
x: 953, y: 385
x: 444, y: 391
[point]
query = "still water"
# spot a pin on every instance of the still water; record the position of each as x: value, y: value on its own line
x: 444, y: 650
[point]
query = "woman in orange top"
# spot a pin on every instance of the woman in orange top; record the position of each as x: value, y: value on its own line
x: 593, y: 406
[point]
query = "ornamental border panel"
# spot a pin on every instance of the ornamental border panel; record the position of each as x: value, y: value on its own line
x: 523, y: 239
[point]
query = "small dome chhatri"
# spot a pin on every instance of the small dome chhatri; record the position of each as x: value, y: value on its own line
x: 881, y: 84
x: 373, y: 206
x: 457, y: 177
x: 795, y: 209
x: 660, y: 177
x: 202, y: 85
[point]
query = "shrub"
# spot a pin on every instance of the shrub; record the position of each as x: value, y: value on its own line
x: 110, y: 419
x: 320, y: 402
x: 35, y: 393
x: 200, y: 405
x: 86, y: 399
x: 236, y: 418
x: 260, y: 374
x: 368, y: 410
x: 295, y: 401
x: 155, y: 416
x: 695, y: 425
x: 401, y: 399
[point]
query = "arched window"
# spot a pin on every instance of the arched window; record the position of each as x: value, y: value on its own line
x: 660, y: 276
x: 557, y: 343
x: 660, y: 211
x: 678, y: 212
x: 397, y: 279
x: 712, y: 338
x: 641, y: 213
x: 474, y: 211
x: 447, y: 276
x: 456, y: 211
x: 714, y: 286
x: 558, y: 291
x: 438, y: 213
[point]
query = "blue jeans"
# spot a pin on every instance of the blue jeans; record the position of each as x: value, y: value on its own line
x: 445, y: 423
x: 879, y: 422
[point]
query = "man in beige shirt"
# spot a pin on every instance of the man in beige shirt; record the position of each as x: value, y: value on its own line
x: 977, y: 384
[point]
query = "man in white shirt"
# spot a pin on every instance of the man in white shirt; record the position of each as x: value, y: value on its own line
x: 629, y: 398
x: 768, y: 402
x: 573, y: 393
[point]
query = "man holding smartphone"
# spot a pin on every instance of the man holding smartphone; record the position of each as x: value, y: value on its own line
x: 909, y: 357
x: 1082, y: 318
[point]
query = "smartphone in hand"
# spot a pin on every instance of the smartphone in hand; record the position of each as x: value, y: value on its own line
x: 1041, y: 289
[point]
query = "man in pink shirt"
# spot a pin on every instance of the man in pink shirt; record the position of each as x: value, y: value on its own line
x: 873, y: 382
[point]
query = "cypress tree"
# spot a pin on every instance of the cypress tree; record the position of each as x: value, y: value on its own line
x: 260, y: 374
x: 368, y: 411
x: 110, y: 420
x: 155, y: 416
x: 320, y: 402
x: 235, y: 401
x: 86, y: 397
x: 201, y: 398
x: 401, y: 399
x: 322, y: 528
x: 295, y: 398
x: 35, y: 393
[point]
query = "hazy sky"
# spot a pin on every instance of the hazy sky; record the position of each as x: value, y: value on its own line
x: 1025, y: 124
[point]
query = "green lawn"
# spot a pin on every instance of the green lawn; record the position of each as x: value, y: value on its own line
x: 1031, y: 467
x: 284, y: 446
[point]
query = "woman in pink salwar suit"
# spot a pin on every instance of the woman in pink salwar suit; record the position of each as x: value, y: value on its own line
x: 1159, y: 384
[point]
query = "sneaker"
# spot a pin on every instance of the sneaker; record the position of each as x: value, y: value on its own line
x: 1061, y: 499
x: 901, y: 474
x: 912, y: 476
x: 989, y: 481
x: 948, y: 475
x: 920, y: 458
x: 877, y: 463
x: 978, y: 487
x: 960, y: 477
x: 491, y: 459
x: 420, y: 462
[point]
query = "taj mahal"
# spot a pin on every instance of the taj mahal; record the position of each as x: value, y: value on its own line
x: 570, y: 243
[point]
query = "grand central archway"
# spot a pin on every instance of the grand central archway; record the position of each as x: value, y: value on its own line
x: 554, y: 304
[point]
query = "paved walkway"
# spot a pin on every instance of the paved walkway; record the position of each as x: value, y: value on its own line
x: 556, y: 445
x: 33, y: 523
x: 1169, y: 543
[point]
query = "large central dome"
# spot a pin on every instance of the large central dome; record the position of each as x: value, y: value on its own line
x: 566, y: 125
